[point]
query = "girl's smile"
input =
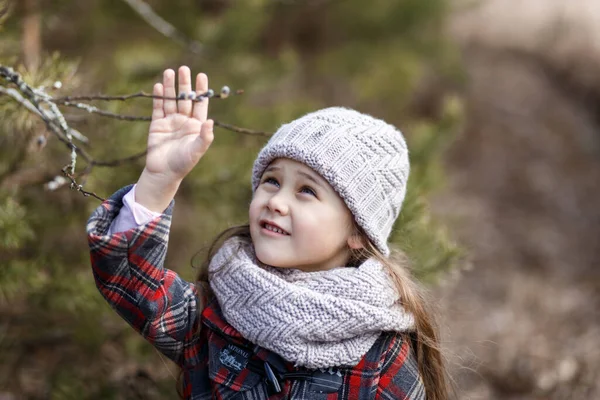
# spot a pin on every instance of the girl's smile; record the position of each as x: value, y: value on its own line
x: 297, y: 220
x: 272, y: 229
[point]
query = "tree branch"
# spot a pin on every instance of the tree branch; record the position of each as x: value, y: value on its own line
x: 53, y: 118
x: 119, y: 161
x: 200, y: 97
x: 241, y: 130
x: 168, y: 30
x: 27, y: 104
x: 78, y: 187
x: 104, y: 113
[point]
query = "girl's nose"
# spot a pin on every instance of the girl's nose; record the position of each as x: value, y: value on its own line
x: 278, y: 204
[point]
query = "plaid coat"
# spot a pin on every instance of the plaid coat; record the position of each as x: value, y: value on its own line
x: 218, y: 362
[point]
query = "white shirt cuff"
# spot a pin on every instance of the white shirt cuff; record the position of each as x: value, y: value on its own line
x: 132, y: 215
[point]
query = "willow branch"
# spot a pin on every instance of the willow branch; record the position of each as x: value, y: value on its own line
x: 241, y: 130
x: 122, y: 117
x: 95, y: 110
x: 78, y: 187
x: 120, y: 161
x: 200, y: 97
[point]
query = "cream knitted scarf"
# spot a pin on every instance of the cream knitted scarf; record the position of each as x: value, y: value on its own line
x: 313, y: 319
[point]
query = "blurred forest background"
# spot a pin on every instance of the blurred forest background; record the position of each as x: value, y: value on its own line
x: 499, y: 100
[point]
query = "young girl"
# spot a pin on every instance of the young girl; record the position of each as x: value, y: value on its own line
x: 303, y: 302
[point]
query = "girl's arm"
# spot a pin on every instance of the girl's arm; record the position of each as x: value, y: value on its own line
x: 129, y: 266
x: 129, y: 271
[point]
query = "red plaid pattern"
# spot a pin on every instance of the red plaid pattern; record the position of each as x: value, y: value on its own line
x: 129, y: 271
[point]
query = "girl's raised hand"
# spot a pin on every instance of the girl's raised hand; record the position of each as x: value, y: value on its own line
x: 179, y: 135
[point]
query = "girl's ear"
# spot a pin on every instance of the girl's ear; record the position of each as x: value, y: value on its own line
x: 355, y: 241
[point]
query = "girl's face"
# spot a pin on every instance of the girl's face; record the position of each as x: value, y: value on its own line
x: 298, y: 221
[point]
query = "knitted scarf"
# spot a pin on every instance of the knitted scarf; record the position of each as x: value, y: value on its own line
x: 313, y: 319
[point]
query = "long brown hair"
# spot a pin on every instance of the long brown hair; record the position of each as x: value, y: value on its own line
x: 424, y: 340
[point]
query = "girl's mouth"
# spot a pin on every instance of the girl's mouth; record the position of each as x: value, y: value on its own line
x: 273, y: 229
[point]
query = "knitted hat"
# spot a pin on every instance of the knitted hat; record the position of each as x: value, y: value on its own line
x: 364, y: 159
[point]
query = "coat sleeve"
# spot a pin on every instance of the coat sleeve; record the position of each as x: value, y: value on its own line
x: 128, y: 269
x: 400, y: 378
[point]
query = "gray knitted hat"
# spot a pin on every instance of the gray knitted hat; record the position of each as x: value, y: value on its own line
x: 364, y: 159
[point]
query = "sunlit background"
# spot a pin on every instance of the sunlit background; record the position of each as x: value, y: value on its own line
x: 499, y: 101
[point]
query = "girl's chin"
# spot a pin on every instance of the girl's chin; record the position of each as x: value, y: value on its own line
x: 273, y: 262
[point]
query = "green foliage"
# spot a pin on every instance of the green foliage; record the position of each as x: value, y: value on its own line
x: 289, y: 57
x: 428, y: 243
x: 13, y: 230
x: 17, y: 119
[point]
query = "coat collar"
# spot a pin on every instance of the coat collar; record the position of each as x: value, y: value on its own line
x: 212, y: 317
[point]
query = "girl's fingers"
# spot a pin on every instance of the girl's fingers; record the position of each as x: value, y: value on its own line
x: 157, y: 104
x: 201, y: 107
x: 170, y: 106
x: 185, y: 86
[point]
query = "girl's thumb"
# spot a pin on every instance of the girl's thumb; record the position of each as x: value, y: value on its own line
x: 203, y: 141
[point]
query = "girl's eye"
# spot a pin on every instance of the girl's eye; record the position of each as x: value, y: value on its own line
x: 308, y: 190
x: 271, y: 181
